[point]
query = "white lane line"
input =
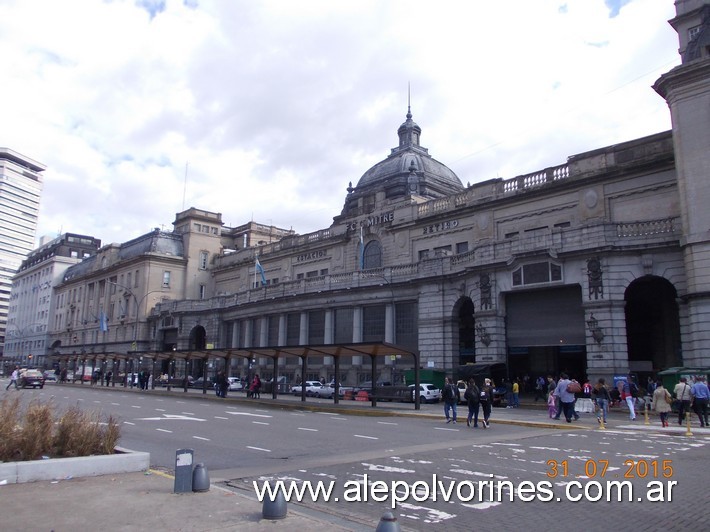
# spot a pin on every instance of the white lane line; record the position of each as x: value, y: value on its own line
x: 340, y: 418
x: 258, y: 449
x: 160, y: 410
x: 310, y: 430
x: 327, y: 413
x: 180, y: 402
x: 201, y: 438
x: 443, y: 428
x: 297, y: 414
x: 128, y: 423
x: 245, y: 414
x: 366, y: 437
x: 220, y: 417
x: 165, y: 430
x: 386, y: 423
x: 135, y: 406
x: 260, y: 423
x: 116, y: 404
x: 188, y: 413
x: 97, y: 401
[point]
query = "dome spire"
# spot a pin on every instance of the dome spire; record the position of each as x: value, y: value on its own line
x: 409, y: 132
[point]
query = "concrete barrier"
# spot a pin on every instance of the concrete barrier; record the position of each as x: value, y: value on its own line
x: 124, y: 461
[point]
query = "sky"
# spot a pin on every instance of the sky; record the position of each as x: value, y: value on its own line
x: 266, y: 110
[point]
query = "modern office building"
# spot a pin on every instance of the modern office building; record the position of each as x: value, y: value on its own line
x: 596, y: 266
x: 20, y: 194
x: 31, y: 298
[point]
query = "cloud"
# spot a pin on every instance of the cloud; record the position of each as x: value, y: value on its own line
x: 267, y: 110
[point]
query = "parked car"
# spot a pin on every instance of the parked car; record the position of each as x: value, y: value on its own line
x: 50, y: 376
x: 198, y: 383
x: 428, y: 393
x: 31, y: 377
x: 235, y: 384
x: 311, y: 388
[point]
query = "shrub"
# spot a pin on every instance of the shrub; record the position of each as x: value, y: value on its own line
x: 32, y: 434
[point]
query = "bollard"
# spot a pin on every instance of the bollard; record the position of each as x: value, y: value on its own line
x: 274, y: 508
x: 200, y: 478
x: 687, y: 424
x: 645, y: 413
x: 388, y: 523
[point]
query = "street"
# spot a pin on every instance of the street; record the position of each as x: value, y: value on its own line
x: 474, y: 472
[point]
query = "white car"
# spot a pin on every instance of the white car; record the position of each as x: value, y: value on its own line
x: 428, y: 393
x: 311, y: 388
x: 235, y: 384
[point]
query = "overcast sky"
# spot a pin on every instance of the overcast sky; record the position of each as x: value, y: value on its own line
x: 266, y: 110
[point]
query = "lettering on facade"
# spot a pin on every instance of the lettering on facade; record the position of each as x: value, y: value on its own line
x: 372, y: 220
x: 311, y: 256
x: 443, y: 226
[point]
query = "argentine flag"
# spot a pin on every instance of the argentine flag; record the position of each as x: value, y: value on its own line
x: 260, y: 271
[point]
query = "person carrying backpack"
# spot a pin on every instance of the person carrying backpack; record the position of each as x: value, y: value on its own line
x: 451, y: 399
x: 472, y: 398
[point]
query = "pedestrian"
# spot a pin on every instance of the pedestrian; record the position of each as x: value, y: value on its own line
x: 516, y: 393
x: 472, y: 398
x: 566, y: 398
x: 661, y: 402
x: 602, y: 399
x: 700, y: 394
x: 629, y: 392
x: 255, y: 387
x: 485, y: 399
x: 682, y: 394
x: 551, y: 404
x: 109, y: 374
x: 451, y: 399
x: 221, y: 385
x: 540, y: 386
x: 13, y: 378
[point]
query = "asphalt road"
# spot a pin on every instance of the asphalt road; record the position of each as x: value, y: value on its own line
x: 242, y: 444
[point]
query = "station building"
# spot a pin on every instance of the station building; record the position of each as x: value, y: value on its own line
x: 597, y: 266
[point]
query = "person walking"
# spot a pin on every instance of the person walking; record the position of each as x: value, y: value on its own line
x: 602, y: 398
x: 13, y: 378
x: 682, y: 394
x: 661, y: 402
x: 551, y: 404
x: 451, y: 399
x: 472, y: 398
x: 629, y: 393
x: 701, y: 395
x: 566, y: 398
x: 485, y: 398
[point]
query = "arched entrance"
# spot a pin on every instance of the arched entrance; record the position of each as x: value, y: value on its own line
x: 652, y: 325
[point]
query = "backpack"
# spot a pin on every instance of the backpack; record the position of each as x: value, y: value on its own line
x: 573, y: 387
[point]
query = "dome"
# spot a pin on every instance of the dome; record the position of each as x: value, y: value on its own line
x: 410, y: 169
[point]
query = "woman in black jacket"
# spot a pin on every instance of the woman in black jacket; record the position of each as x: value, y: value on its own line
x: 471, y: 395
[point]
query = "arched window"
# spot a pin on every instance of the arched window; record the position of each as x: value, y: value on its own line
x: 372, y: 257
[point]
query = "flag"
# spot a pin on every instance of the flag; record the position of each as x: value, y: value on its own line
x: 260, y: 270
x: 103, y: 322
x: 361, y: 251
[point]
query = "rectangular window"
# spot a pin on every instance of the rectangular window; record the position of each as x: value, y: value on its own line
x: 166, y: 279
x: 461, y: 247
x: 343, y: 325
x: 135, y: 280
x: 423, y: 254
x: 273, y: 336
x: 373, y: 324
x: 324, y: 272
x: 293, y: 328
x: 316, y: 327
x: 203, y: 288
x: 406, y: 330
x: 203, y: 260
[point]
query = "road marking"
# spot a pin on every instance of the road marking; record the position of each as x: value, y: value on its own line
x: 260, y: 423
x: 386, y: 423
x: 328, y: 413
x: 310, y: 430
x: 246, y: 414
x: 116, y: 404
x: 188, y: 413
x: 171, y: 417
x: 180, y: 402
x: 201, y: 438
x: 135, y: 406
x: 165, y: 430
x: 258, y: 449
x: 443, y: 428
x: 128, y: 423
x: 220, y: 417
x: 366, y: 437
x: 160, y: 410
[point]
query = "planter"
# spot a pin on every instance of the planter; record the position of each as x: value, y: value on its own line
x: 124, y: 461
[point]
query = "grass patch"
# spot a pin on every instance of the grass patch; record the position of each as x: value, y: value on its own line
x: 38, y: 431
